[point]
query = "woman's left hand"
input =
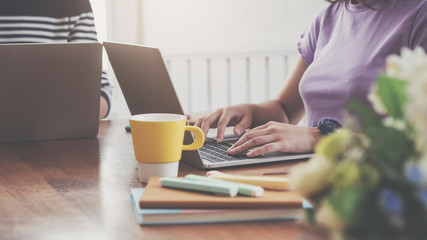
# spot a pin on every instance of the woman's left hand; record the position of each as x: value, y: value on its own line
x: 277, y: 137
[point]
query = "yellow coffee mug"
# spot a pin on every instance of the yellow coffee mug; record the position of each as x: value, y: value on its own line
x: 159, y: 137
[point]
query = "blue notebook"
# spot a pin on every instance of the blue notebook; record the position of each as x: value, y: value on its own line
x: 151, y: 216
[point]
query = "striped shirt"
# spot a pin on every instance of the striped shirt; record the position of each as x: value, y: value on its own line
x: 49, y: 21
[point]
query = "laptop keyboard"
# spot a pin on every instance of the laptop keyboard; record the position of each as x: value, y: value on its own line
x: 217, y: 152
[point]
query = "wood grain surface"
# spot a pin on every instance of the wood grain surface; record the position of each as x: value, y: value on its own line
x: 79, y: 189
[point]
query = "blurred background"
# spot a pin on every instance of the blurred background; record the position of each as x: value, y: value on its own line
x: 217, y: 52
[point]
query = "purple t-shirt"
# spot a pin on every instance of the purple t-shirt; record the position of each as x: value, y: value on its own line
x: 346, y: 47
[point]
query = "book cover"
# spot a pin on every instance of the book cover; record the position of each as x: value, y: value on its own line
x: 156, y: 196
x: 158, y: 216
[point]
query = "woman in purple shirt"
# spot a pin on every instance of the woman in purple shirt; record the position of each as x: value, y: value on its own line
x: 341, y: 54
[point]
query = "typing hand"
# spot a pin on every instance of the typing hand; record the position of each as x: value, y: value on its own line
x: 277, y: 137
x: 239, y: 116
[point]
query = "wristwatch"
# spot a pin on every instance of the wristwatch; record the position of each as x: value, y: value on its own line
x: 328, y: 126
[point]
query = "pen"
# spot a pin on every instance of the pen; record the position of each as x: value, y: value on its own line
x: 243, y: 189
x: 275, y: 183
x: 209, y: 187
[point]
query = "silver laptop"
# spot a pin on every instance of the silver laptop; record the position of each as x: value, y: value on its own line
x: 49, y: 91
x: 147, y: 88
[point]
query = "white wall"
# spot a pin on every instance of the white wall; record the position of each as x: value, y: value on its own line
x: 226, y: 26
x: 188, y: 28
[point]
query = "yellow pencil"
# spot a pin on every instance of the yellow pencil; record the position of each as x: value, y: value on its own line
x: 275, y: 183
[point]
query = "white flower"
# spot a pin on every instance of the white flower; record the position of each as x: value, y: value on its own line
x: 394, y: 123
x: 376, y: 102
x: 354, y: 153
x: 311, y: 177
x: 411, y: 66
x: 414, y: 68
x: 392, y: 66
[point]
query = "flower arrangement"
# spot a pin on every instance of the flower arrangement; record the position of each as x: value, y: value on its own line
x: 374, y: 185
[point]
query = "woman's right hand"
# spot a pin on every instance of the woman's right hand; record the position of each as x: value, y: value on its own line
x: 239, y: 116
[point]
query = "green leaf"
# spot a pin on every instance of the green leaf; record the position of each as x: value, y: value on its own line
x: 416, y: 218
x: 348, y: 202
x: 369, y: 117
x: 309, y: 215
x: 390, y: 146
x: 392, y: 92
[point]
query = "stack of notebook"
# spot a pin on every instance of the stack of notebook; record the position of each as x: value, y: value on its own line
x: 155, y: 205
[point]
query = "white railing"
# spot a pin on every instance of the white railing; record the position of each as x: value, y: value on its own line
x: 205, y: 83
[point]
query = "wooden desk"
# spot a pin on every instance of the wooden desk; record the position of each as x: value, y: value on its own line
x: 79, y: 189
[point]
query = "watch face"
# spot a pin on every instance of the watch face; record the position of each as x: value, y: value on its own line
x: 328, y: 126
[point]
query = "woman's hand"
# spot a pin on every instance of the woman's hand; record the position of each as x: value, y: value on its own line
x: 239, y: 116
x: 277, y: 137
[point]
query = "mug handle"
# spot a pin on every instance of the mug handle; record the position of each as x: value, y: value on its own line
x: 199, y: 138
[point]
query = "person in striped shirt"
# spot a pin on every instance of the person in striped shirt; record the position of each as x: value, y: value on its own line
x: 51, y: 21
